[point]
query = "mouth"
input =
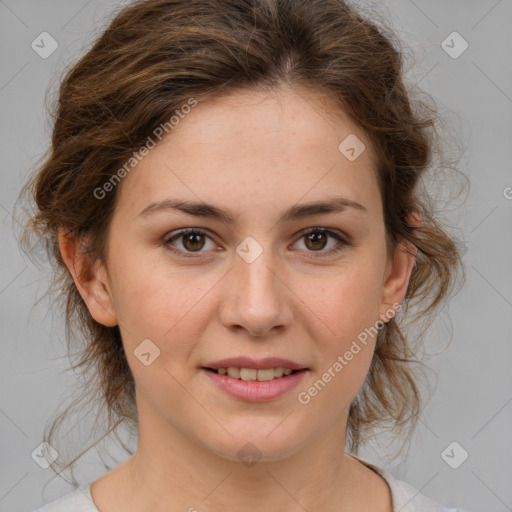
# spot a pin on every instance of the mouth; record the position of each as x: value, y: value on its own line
x: 262, y: 384
x: 255, y: 380
x: 255, y: 374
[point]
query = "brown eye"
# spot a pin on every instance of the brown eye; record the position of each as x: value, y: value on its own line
x: 188, y: 241
x: 193, y: 241
x: 316, y: 240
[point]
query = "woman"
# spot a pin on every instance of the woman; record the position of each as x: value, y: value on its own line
x: 232, y: 201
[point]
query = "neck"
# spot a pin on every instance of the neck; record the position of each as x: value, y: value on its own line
x: 171, y: 471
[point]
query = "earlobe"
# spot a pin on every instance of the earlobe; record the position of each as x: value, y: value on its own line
x: 90, y: 277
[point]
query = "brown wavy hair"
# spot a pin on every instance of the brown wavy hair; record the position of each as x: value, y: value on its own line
x: 151, y: 59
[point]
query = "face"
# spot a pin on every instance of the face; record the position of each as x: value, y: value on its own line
x: 301, y: 287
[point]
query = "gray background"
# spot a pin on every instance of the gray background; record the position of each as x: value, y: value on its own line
x: 471, y: 403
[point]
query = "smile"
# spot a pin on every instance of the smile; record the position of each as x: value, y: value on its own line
x: 249, y: 374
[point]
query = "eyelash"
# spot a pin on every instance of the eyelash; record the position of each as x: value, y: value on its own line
x: 339, y: 247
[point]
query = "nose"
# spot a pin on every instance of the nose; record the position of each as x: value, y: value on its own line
x: 256, y: 297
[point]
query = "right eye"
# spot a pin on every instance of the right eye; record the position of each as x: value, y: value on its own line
x: 191, y: 239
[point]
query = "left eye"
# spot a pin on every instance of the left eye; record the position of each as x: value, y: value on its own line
x: 316, y: 240
x: 193, y: 240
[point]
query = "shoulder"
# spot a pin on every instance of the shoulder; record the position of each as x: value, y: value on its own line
x: 408, y: 499
x: 405, y: 497
x: 79, y: 500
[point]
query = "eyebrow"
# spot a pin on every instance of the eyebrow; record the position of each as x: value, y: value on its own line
x: 297, y: 211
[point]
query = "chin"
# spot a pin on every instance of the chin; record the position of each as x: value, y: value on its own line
x: 254, y: 444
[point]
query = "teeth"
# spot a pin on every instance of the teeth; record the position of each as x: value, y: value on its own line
x: 234, y: 372
x: 248, y: 373
x: 278, y: 372
x: 254, y: 374
x: 265, y: 374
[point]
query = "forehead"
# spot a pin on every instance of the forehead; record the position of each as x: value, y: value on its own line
x: 254, y: 148
x: 282, y: 119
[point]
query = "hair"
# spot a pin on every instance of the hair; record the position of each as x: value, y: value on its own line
x: 152, y: 59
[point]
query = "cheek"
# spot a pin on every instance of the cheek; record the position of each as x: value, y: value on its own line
x: 157, y: 301
x: 348, y: 306
x: 344, y: 303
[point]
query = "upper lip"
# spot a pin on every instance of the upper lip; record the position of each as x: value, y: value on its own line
x: 259, y: 364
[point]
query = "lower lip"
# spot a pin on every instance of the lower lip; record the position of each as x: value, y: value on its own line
x: 254, y: 390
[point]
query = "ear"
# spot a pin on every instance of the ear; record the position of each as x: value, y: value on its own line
x: 90, y: 276
x: 398, y: 273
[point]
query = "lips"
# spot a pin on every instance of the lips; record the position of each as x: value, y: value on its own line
x: 255, y: 380
x: 255, y: 390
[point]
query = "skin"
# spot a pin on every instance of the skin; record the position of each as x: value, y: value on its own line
x: 255, y: 154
